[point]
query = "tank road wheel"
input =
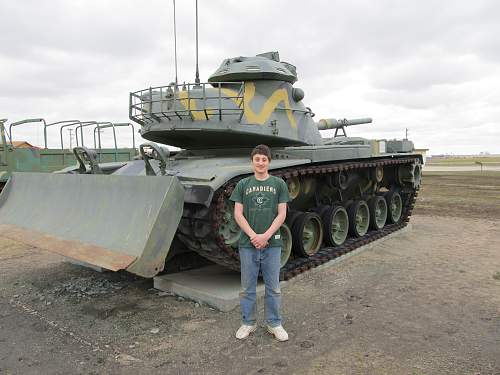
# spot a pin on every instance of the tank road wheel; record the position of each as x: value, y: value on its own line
x: 377, y: 174
x: 293, y: 184
x: 336, y: 225
x: 378, y: 212
x: 359, y: 218
x: 228, y: 228
x: 394, y: 206
x: 307, y: 234
x: 341, y: 180
x: 286, y: 250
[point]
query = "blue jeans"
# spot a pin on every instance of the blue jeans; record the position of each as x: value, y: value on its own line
x: 268, y: 261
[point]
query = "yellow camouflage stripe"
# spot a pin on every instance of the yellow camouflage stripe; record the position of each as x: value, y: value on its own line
x: 280, y: 95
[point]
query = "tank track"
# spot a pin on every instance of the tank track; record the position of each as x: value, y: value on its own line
x: 199, y: 231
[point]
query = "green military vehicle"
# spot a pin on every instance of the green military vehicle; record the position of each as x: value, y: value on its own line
x: 23, y: 157
x: 347, y: 191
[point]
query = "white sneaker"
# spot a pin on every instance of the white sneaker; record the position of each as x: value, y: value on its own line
x: 243, y: 332
x: 278, y: 332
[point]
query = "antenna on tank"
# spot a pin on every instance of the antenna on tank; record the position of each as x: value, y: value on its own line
x: 175, y: 47
x: 197, y: 79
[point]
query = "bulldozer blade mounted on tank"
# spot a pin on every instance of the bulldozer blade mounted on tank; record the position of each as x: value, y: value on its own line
x: 114, y: 222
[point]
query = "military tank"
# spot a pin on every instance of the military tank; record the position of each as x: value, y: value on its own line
x: 346, y: 191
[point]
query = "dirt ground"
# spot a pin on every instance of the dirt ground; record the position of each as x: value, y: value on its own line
x: 424, y: 302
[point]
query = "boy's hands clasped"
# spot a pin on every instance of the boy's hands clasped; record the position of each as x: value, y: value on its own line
x: 260, y: 241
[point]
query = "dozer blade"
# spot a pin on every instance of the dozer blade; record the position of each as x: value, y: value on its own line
x: 114, y: 222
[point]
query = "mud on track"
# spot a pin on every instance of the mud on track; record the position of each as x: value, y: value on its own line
x: 426, y: 302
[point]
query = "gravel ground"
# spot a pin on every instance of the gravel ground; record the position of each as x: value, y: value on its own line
x: 424, y: 302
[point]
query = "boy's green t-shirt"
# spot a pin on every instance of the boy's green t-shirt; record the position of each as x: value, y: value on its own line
x: 260, y: 201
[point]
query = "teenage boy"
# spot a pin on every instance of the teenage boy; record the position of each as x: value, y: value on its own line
x: 260, y: 210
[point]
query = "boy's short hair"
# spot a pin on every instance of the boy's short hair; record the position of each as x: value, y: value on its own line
x: 261, y: 150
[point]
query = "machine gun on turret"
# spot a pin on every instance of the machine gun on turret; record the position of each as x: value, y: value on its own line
x: 331, y: 123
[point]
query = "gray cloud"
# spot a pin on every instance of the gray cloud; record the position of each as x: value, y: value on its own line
x: 430, y: 66
x: 430, y: 70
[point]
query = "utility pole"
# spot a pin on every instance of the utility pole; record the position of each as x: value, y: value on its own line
x: 406, y: 133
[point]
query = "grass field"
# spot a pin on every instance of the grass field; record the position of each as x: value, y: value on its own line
x: 464, y: 160
x: 462, y: 194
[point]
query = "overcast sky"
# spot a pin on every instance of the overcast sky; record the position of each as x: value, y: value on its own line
x: 430, y: 66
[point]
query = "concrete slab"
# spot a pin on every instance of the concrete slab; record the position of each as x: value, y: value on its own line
x: 215, y: 286
x: 219, y: 287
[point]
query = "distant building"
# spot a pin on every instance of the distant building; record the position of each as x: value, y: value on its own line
x: 22, y: 144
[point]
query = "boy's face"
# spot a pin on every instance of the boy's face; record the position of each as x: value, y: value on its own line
x: 260, y: 163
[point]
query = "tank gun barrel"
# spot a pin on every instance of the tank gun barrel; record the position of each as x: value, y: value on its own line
x: 331, y: 123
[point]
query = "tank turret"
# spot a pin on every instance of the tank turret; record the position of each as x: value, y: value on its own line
x: 247, y: 101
